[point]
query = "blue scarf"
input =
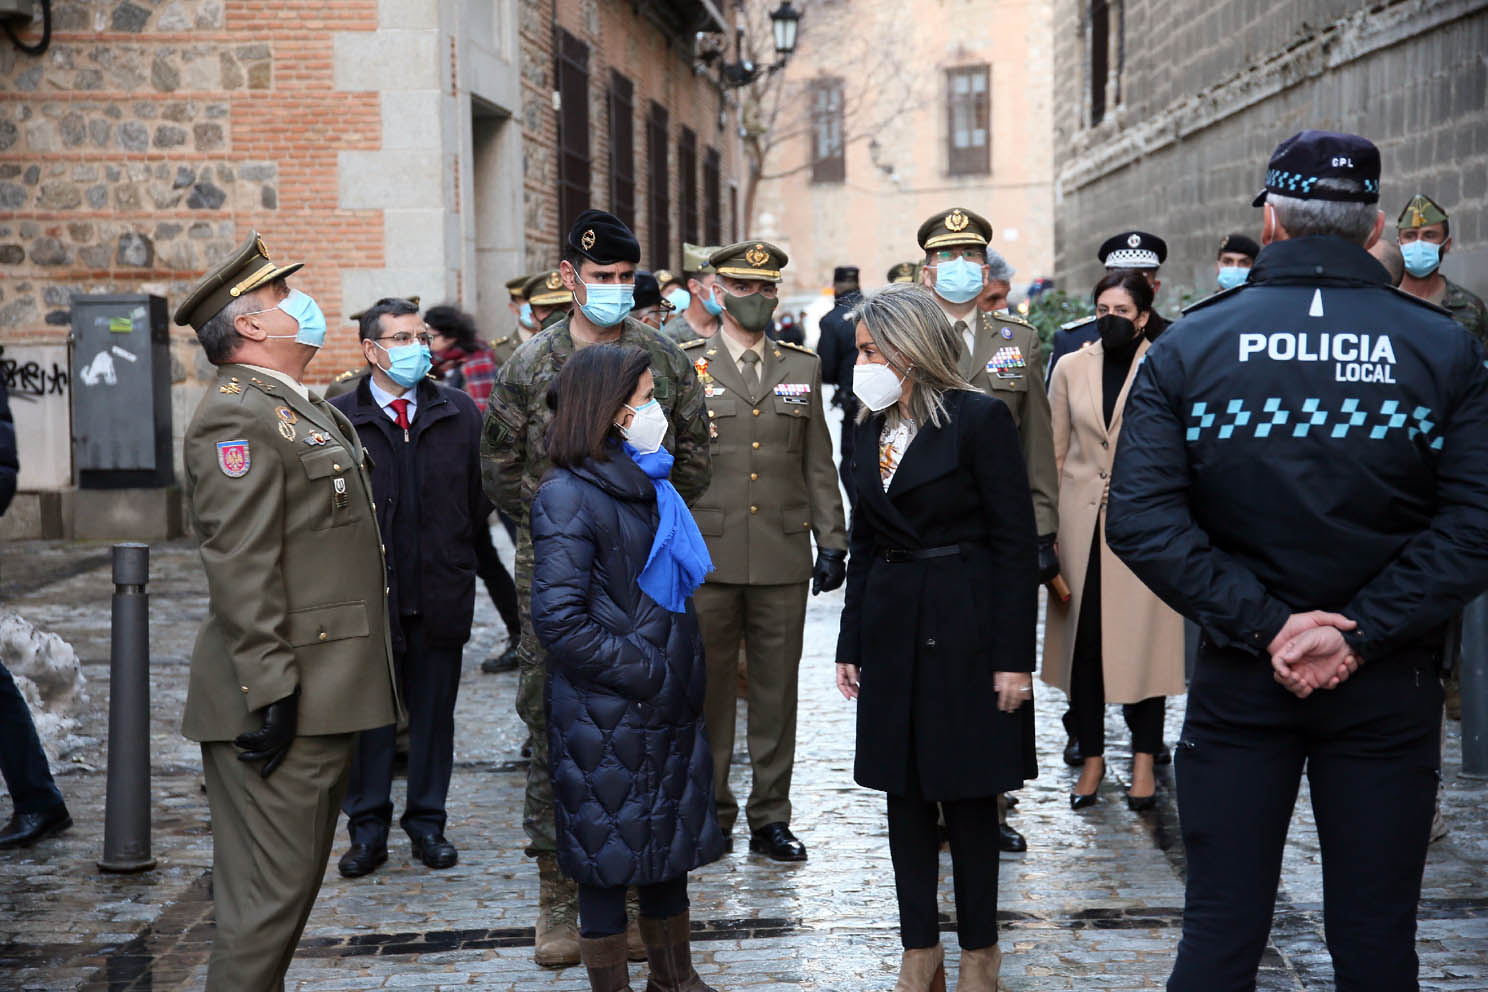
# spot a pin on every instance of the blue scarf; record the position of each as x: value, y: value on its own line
x: 679, y: 559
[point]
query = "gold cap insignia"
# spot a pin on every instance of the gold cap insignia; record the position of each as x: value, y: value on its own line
x: 956, y: 221
x: 757, y: 256
x: 555, y: 281
x: 587, y: 241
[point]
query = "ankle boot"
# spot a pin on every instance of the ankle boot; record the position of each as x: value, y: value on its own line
x: 557, y: 930
x: 922, y: 969
x: 979, y: 970
x: 669, y: 952
x: 605, y: 960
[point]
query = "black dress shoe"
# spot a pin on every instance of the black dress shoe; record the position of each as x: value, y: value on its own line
x: 1164, y: 755
x: 506, y: 661
x: 434, y: 851
x: 1072, y: 756
x: 1010, y: 840
x: 776, y: 842
x: 361, y: 859
x: 1140, y: 804
x: 25, y: 829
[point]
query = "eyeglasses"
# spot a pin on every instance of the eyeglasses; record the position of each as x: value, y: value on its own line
x: 951, y: 254
x: 408, y: 337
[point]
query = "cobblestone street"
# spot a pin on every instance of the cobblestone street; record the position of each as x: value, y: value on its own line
x: 1095, y: 903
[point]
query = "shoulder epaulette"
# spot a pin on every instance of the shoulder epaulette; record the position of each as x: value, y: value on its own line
x: 795, y: 347
x: 1079, y: 322
x: 501, y: 341
x: 1197, y: 304
x: 1416, y: 299
x: 347, y: 376
x: 693, y: 343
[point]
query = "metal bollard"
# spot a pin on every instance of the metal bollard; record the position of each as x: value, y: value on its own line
x: 126, y: 824
x: 1474, y: 680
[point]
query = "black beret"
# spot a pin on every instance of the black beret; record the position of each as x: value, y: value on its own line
x: 648, y: 292
x: 1240, y: 244
x: 1133, y: 250
x: 603, y: 238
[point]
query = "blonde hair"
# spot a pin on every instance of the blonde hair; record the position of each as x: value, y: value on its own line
x: 914, y: 334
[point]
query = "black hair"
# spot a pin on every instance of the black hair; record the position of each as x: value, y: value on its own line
x: 370, y: 326
x: 452, y: 322
x: 1131, y: 280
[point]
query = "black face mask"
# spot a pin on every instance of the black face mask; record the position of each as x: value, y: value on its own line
x: 1117, y: 334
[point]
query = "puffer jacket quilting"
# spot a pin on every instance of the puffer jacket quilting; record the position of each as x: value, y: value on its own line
x: 628, y: 752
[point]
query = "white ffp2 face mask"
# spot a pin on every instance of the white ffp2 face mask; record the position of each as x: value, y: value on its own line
x: 876, y: 386
x: 647, y: 427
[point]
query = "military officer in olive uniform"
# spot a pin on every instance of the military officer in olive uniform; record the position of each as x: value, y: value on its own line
x: 345, y: 382
x: 1001, y: 356
x: 774, y: 488
x: 502, y: 348
x: 551, y: 301
x: 599, y: 252
x: 904, y: 272
x: 293, y: 658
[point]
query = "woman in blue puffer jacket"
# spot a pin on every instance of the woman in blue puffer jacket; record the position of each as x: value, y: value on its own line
x: 617, y: 557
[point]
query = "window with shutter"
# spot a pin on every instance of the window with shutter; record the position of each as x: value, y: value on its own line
x: 658, y: 189
x: 712, y: 198
x: 828, y: 163
x: 968, y: 121
x: 687, y: 192
x: 573, y: 129
x: 622, y: 148
x: 1100, y: 58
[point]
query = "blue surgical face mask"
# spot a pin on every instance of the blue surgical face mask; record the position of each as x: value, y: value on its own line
x: 958, y: 280
x: 1421, y: 257
x: 1231, y: 276
x: 407, y: 363
x: 607, y: 303
x: 306, y: 312
x: 525, y: 317
x: 710, y: 301
x: 680, y: 298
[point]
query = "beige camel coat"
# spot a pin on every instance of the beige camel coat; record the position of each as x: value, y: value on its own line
x: 1141, y: 638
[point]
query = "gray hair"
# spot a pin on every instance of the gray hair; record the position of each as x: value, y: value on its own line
x: 1346, y: 219
x: 913, y: 332
x: 998, y: 269
x: 218, y: 337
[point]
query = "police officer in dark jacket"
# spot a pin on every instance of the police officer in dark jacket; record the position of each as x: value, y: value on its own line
x: 839, y: 353
x: 424, y: 443
x: 1358, y: 418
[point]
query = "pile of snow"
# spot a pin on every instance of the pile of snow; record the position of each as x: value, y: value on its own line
x: 50, y: 677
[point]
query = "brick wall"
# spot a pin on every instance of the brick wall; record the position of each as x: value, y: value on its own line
x: 1209, y: 89
x: 152, y: 136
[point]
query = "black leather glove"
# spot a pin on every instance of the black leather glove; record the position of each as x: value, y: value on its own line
x: 270, y: 743
x: 1048, y: 561
x: 830, y: 570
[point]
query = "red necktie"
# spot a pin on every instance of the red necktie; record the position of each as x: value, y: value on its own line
x: 400, y: 407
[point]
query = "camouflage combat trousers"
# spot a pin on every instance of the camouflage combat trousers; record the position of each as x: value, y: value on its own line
x: 537, y: 809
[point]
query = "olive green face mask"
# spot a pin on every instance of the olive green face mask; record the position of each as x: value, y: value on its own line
x: 752, y: 311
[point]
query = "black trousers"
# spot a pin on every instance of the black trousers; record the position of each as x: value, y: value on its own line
x: 602, y: 911
x: 1371, y: 750
x: 1086, y: 719
x: 22, y: 761
x: 430, y: 678
x: 914, y: 847
x: 498, y: 580
x: 844, y: 467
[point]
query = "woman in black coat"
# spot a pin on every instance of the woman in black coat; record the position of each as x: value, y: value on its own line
x: 617, y: 556
x: 937, y: 640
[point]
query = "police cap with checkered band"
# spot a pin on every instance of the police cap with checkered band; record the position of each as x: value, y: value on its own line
x: 1306, y: 157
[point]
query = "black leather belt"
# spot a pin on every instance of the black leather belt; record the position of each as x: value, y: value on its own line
x: 899, y: 556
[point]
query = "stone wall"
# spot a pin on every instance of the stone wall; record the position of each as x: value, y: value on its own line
x: 1207, y: 90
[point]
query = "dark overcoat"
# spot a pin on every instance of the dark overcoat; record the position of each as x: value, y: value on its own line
x: 628, y: 752
x: 929, y: 633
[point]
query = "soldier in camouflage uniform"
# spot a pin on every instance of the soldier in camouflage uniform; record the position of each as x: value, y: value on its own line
x: 600, y: 252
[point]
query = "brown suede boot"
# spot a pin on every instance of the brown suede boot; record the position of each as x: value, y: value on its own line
x: 557, y: 930
x: 605, y: 959
x: 922, y: 969
x: 669, y: 951
x: 979, y: 970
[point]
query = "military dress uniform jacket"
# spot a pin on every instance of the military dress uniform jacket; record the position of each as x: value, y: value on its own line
x: 280, y: 502
x: 1007, y: 362
x: 1313, y: 439
x: 774, y: 478
x: 514, y: 439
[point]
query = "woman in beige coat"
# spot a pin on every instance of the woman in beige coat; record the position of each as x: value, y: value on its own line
x: 1114, y: 641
